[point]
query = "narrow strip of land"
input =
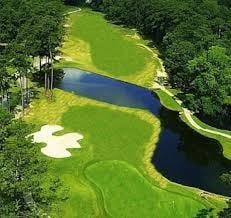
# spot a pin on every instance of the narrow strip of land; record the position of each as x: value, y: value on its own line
x: 188, y: 114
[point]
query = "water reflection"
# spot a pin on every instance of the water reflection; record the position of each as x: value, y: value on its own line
x: 182, y: 155
x: 188, y: 158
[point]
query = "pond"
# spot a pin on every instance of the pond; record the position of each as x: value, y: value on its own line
x: 182, y: 155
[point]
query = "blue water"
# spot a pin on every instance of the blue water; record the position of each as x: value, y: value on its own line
x: 182, y: 155
x: 109, y: 90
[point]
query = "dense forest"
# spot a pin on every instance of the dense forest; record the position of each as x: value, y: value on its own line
x: 28, y: 30
x: 194, y: 40
x: 23, y: 172
x: 25, y: 35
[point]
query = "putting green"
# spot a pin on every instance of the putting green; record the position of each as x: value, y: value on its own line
x: 95, y: 45
x: 128, y: 194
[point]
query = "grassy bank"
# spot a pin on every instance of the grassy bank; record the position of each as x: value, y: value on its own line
x: 167, y: 101
x: 118, y: 135
x: 225, y: 142
x: 95, y: 45
x: 171, y: 104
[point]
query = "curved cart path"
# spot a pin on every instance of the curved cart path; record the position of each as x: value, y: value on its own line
x: 71, y: 12
x: 188, y: 115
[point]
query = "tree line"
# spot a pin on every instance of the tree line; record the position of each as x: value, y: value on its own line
x: 26, y: 189
x: 194, y: 39
x: 30, y: 35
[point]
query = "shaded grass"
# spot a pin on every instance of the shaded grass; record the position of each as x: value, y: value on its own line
x: 95, y: 45
x: 128, y: 194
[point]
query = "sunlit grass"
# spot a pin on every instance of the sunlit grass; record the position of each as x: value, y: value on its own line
x: 110, y: 133
x: 95, y: 45
x: 167, y: 101
x: 128, y: 194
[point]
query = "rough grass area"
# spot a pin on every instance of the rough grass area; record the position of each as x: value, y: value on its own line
x: 96, y: 45
x: 128, y: 194
x: 111, y: 133
x: 108, y: 134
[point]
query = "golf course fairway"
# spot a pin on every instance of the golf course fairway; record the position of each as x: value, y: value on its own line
x: 117, y: 145
x: 95, y: 45
x: 111, y: 175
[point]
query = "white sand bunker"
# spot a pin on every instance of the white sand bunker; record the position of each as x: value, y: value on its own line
x: 56, y: 145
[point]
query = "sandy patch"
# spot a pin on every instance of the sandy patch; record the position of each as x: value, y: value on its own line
x: 66, y: 58
x: 57, y: 58
x: 56, y: 145
x: 135, y: 36
x: 66, y: 25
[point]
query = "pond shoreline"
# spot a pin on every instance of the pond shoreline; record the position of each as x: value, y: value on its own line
x: 97, y: 87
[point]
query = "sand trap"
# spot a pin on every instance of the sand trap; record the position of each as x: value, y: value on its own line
x: 56, y: 145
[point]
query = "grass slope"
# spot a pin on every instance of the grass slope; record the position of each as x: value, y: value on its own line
x: 110, y: 133
x: 171, y: 104
x: 95, y: 45
x: 225, y: 142
x: 128, y: 194
x: 167, y: 101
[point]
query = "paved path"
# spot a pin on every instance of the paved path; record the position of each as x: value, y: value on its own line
x: 71, y: 12
x: 188, y: 115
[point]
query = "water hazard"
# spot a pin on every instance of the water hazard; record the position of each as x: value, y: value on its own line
x: 182, y: 155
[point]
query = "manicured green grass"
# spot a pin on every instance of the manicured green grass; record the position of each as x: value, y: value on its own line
x: 110, y: 133
x: 114, y: 134
x: 128, y: 194
x: 111, y: 174
x: 110, y: 50
x: 94, y: 44
x: 167, y: 101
